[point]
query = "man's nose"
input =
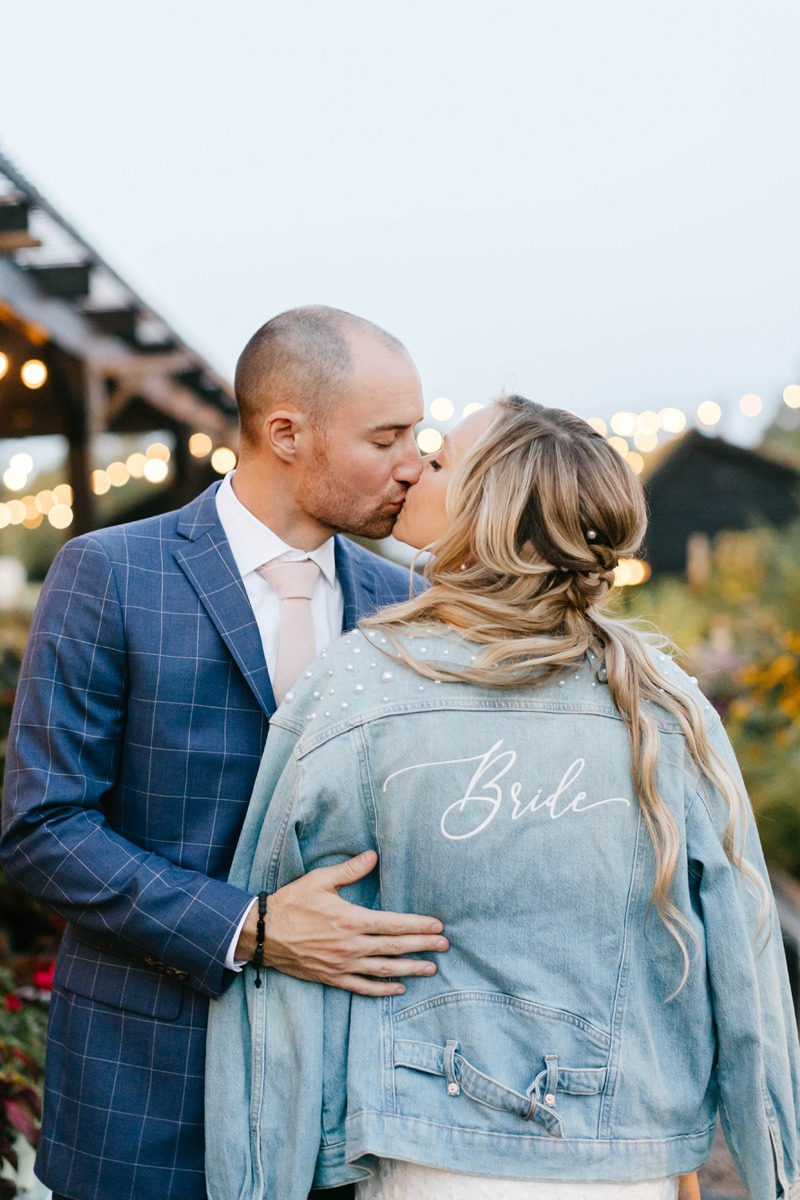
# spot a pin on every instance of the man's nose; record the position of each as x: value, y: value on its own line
x: 410, y: 469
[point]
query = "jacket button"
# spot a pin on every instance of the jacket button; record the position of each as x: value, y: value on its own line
x: 182, y: 976
x: 151, y: 962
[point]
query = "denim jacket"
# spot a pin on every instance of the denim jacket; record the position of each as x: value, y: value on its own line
x: 553, y: 1043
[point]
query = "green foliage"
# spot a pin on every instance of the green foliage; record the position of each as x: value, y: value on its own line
x: 741, y: 637
x: 23, y: 1028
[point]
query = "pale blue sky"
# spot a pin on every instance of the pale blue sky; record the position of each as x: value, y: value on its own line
x: 594, y: 204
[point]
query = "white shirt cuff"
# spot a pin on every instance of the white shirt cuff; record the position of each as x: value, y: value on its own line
x: 231, y: 962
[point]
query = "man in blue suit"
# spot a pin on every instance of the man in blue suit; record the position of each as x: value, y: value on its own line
x: 142, y: 713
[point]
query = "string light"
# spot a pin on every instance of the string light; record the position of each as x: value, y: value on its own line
x: 442, y: 409
x: 223, y: 460
x: 135, y: 464
x: 791, y: 395
x: 635, y: 462
x: 672, y: 420
x: 648, y: 422
x: 709, y: 413
x: 200, y: 445
x: 469, y: 409
x: 630, y: 572
x: 429, y: 440
x: 620, y: 445
x: 60, y: 516
x: 155, y: 470
x: 599, y: 425
x: 33, y: 374
x: 645, y: 441
x: 3, y: 364
x: 623, y: 423
x: 751, y: 404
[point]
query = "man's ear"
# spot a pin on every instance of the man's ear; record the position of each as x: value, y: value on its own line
x: 284, y: 429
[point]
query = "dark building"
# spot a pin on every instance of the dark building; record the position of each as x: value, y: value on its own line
x: 701, y: 486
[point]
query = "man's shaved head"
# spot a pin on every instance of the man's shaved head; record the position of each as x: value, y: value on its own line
x: 302, y: 358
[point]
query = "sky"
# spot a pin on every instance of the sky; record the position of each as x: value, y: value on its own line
x: 593, y: 204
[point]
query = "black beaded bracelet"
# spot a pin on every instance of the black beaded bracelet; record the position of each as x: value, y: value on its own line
x: 258, y: 957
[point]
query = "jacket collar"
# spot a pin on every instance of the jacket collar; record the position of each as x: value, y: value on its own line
x: 208, y: 564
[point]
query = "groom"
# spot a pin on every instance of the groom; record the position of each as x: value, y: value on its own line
x: 149, y: 680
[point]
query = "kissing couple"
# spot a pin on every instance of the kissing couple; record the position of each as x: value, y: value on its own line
x: 241, y: 815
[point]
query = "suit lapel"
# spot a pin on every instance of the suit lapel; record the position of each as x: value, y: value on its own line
x: 358, y: 585
x: 208, y: 564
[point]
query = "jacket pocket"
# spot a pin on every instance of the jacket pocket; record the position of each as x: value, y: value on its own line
x: 116, y: 980
x: 488, y: 1061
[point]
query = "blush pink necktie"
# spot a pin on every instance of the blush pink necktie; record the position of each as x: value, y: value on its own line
x: 294, y: 582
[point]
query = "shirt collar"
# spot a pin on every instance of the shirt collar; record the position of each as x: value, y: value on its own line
x: 253, y: 543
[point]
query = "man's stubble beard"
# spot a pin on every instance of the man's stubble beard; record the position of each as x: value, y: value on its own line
x: 325, y: 498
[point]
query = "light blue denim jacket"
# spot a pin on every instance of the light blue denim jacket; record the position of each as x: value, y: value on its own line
x: 550, y: 1045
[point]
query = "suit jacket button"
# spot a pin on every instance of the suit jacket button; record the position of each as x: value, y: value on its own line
x: 182, y: 976
x: 151, y: 962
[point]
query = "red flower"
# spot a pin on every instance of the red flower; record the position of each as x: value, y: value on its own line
x: 12, y: 1003
x: 43, y: 977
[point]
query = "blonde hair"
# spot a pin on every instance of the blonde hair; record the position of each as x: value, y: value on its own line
x: 540, y: 510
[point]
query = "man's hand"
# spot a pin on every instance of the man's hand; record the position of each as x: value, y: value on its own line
x: 312, y: 933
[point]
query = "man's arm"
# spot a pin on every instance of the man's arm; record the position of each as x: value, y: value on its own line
x: 63, y: 763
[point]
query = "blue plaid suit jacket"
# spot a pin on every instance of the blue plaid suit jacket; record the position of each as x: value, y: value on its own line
x: 141, y: 716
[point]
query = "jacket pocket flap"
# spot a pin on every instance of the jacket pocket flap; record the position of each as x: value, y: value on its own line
x: 120, y: 982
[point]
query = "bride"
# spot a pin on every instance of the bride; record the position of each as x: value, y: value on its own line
x: 531, y: 769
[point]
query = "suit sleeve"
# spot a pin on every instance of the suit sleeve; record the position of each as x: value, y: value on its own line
x: 63, y: 763
x: 758, y: 1066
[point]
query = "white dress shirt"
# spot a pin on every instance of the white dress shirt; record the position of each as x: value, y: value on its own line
x: 252, y: 544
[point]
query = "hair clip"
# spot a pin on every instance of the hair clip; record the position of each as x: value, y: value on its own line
x: 591, y: 535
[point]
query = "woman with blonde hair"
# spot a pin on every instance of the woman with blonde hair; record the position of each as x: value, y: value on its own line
x: 536, y: 772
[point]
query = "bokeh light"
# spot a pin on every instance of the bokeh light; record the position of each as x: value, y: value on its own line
x: 429, y: 440
x: 60, y: 516
x: 100, y: 482
x: 672, y: 420
x: 223, y: 460
x: 3, y: 364
x: 620, y: 445
x: 158, y: 450
x: 598, y: 424
x: 645, y: 441
x: 63, y: 494
x: 45, y: 500
x: 631, y: 572
x: 33, y: 374
x: 14, y: 480
x: 200, y: 445
x: 709, y: 413
x: 469, y: 409
x: 623, y: 423
x: 648, y: 422
x: 118, y: 474
x: 16, y: 512
x: 135, y: 464
x: 155, y: 470
x: 751, y: 404
x: 791, y: 395
x: 635, y: 462
x: 442, y: 409
x: 21, y: 462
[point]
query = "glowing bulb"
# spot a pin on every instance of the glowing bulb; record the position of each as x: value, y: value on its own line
x: 709, y: 413
x: 469, y: 409
x: 158, y: 450
x: 429, y: 440
x: 442, y: 409
x: 34, y: 521
x: 635, y: 462
x: 155, y: 470
x: 135, y: 464
x: 672, y: 420
x: 4, y: 517
x: 645, y: 441
x: 45, y: 501
x: 60, y: 516
x: 751, y: 404
x: 598, y: 424
x: 620, y: 445
x: 16, y: 512
x: 100, y: 483
x: 223, y: 460
x: 21, y: 462
x: 3, y: 364
x: 14, y: 480
x: 31, y: 510
x: 33, y: 374
x: 199, y: 445
x: 63, y: 494
x: 631, y: 572
x: 791, y: 395
x: 118, y: 474
x: 648, y: 422
x: 623, y: 423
